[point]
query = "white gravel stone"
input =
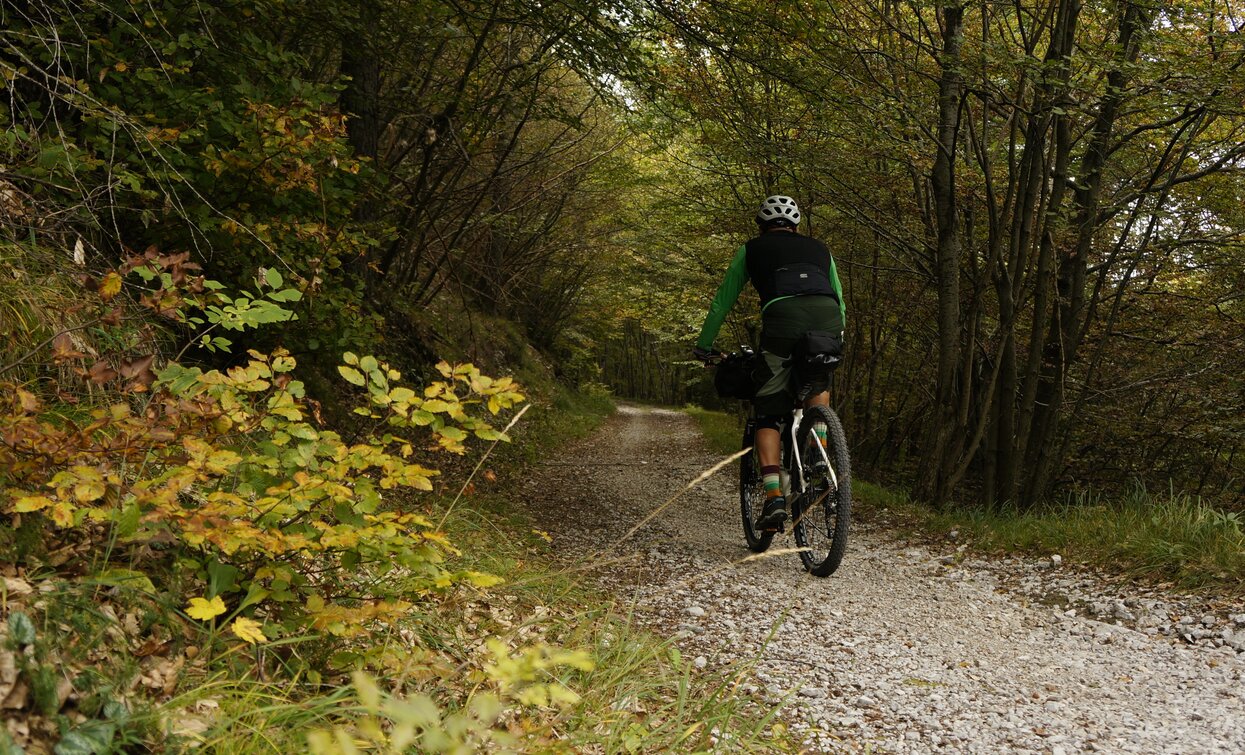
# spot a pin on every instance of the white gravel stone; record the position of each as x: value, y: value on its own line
x: 907, y: 656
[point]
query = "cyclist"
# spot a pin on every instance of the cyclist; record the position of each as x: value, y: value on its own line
x: 800, y: 291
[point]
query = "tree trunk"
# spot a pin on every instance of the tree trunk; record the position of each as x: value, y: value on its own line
x: 942, y: 447
x: 360, y: 96
x: 1066, y: 323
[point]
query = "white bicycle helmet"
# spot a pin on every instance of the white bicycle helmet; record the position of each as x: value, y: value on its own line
x: 779, y: 207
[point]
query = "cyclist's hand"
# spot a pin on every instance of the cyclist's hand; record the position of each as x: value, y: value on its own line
x: 706, y: 355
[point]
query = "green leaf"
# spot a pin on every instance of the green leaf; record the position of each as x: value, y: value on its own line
x: 488, y: 433
x: 8, y: 746
x: 273, y: 278
x: 126, y: 578
x: 454, y: 433
x: 221, y: 577
x: 254, y: 595
x: 115, y: 710
x: 352, y: 375
x: 21, y: 628
x: 128, y: 520
x: 90, y: 738
x: 368, y: 363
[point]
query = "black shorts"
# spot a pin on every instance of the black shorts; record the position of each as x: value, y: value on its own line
x: 782, y: 324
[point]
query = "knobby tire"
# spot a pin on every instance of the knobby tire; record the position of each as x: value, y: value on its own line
x: 822, y: 515
x: 752, y: 496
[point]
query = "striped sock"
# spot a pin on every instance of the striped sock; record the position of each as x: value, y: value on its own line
x: 820, y: 430
x: 771, y: 476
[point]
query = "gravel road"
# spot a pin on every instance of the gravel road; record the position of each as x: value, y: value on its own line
x: 905, y: 649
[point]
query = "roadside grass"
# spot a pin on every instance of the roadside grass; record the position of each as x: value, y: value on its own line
x: 1171, y: 538
x: 640, y: 696
x: 722, y: 431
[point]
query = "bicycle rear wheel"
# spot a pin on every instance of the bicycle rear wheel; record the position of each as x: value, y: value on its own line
x: 823, y: 512
x: 752, y: 495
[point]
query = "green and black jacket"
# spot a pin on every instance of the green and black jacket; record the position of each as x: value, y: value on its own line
x: 780, y: 265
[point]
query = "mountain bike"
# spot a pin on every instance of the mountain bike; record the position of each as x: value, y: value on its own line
x: 816, y: 480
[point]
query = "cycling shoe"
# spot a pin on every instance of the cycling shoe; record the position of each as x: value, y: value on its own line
x: 773, y: 516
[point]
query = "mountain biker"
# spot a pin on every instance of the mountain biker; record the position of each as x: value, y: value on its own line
x: 800, y: 291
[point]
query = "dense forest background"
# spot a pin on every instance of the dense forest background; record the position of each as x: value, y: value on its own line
x: 1036, y: 207
x: 232, y: 232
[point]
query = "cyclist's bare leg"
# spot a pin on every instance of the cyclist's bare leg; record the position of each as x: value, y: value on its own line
x: 767, y: 446
x: 767, y: 438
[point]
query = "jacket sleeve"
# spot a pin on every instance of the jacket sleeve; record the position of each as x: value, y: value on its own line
x: 838, y: 291
x: 728, y: 294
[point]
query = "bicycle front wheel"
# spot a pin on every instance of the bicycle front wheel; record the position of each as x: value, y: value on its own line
x: 823, y: 512
x: 752, y: 496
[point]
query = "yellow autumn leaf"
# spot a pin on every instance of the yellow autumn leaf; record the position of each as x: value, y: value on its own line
x: 480, y: 579
x: 249, y: 630
x: 110, y: 286
x: 31, y: 503
x: 203, y: 609
x: 89, y: 490
x: 62, y: 514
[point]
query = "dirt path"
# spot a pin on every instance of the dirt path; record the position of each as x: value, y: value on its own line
x: 902, y: 650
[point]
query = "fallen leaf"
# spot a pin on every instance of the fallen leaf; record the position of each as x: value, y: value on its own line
x: 153, y: 646
x: 110, y: 286
x: 17, y: 697
x: 16, y: 587
x: 139, y: 370
x: 8, y: 673
x: 63, y: 349
x: 189, y: 727
x: 28, y: 402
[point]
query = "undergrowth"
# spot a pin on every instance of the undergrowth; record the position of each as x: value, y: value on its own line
x: 538, y: 662
x: 722, y: 431
x: 1171, y: 538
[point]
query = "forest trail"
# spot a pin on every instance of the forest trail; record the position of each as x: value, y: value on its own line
x: 905, y: 649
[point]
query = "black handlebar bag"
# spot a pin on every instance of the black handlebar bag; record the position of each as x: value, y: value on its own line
x: 739, y: 376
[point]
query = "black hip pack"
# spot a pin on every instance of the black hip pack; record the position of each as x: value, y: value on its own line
x: 817, y: 351
x: 739, y: 376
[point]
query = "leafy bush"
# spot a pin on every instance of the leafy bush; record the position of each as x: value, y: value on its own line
x: 230, y: 464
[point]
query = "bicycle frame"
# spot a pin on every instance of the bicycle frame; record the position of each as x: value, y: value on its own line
x: 796, y: 416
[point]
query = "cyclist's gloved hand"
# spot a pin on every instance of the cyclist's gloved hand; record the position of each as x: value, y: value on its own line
x: 705, y: 355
